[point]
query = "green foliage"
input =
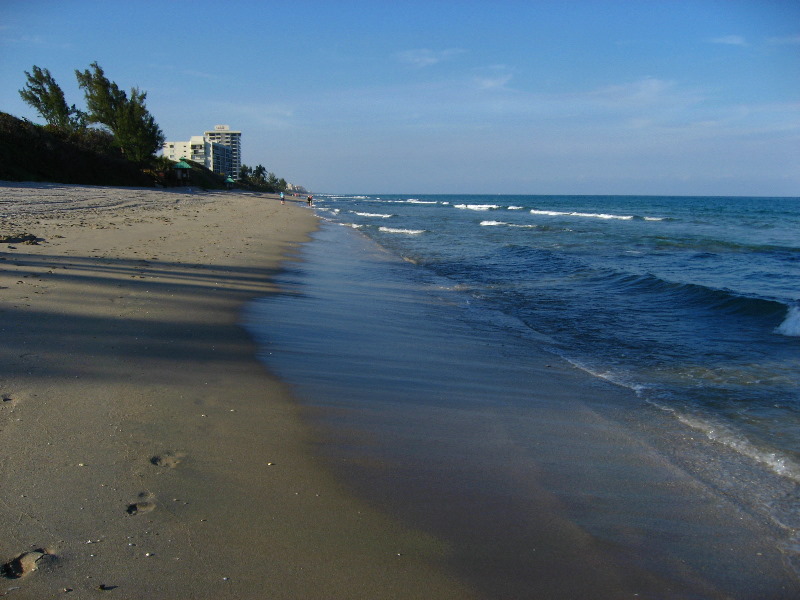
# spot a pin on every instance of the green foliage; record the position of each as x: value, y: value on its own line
x: 30, y: 152
x: 259, y: 179
x: 103, y: 97
x: 46, y: 96
x: 135, y: 130
x: 259, y: 174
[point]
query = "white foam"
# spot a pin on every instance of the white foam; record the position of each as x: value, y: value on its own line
x: 555, y: 213
x: 515, y: 207
x: 782, y: 465
x: 378, y: 215
x: 791, y: 324
x: 491, y: 223
x: 406, y: 231
x: 476, y: 206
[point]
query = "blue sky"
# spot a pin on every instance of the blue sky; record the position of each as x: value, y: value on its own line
x: 538, y: 97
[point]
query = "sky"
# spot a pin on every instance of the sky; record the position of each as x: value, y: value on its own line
x: 655, y: 97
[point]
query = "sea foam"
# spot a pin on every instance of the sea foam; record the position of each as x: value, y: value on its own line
x: 406, y: 231
x: 476, y: 206
x: 556, y: 213
x: 790, y: 325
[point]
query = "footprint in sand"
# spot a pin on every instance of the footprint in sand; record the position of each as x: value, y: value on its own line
x: 167, y: 459
x: 25, y: 563
x: 144, y: 505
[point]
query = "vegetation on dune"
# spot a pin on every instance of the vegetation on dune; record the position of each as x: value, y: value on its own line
x: 113, y: 142
x: 133, y: 129
x: 30, y: 152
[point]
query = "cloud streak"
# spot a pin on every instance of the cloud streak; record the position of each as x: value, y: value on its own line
x: 789, y: 40
x: 730, y: 40
x: 424, y: 57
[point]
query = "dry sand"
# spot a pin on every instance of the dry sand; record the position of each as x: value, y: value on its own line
x: 146, y: 453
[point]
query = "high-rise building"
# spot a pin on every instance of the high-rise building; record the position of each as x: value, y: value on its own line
x: 213, y: 156
x: 222, y: 134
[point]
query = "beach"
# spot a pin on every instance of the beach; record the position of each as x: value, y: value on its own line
x: 147, y: 452
x: 216, y: 395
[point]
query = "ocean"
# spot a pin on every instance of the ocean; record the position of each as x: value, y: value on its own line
x: 416, y: 318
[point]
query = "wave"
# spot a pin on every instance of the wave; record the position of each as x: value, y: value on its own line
x: 712, y: 245
x: 379, y: 215
x: 722, y: 434
x: 702, y: 296
x: 476, y: 206
x: 791, y: 324
x: 712, y: 428
x: 406, y: 231
x: 497, y: 223
x: 557, y: 213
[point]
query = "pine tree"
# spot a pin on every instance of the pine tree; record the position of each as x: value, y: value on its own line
x: 135, y: 130
x: 45, y: 95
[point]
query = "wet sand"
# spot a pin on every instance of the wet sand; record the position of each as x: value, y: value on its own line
x: 546, y: 482
x: 146, y: 452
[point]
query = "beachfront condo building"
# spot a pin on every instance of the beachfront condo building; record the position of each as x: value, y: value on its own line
x: 222, y: 134
x: 199, y: 149
x: 219, y: 150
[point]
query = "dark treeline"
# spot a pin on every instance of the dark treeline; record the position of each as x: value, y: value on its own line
x: 259, y: 178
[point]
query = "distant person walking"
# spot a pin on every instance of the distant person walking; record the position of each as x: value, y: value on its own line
x: 310, y: 200
x: 282, y: 202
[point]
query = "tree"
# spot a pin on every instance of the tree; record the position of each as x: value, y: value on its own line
x: 44, y: 94
x: 103, y: 97
x: 245, y: 172
x: 260, y: 173
x: 135, y: 130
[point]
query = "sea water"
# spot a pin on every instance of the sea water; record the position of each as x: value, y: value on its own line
x: 691, y: 304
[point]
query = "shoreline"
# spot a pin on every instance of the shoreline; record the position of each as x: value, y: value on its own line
x: 149, y: 452
x: 543, y: 478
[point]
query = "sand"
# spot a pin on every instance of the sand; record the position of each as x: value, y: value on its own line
x: 146, y: 453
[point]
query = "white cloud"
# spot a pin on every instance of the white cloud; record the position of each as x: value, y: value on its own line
x: 644, y: 91
x: 730, y: 40
x: 423, y: 57
x: 791, y: 40
x: 494, y: 77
